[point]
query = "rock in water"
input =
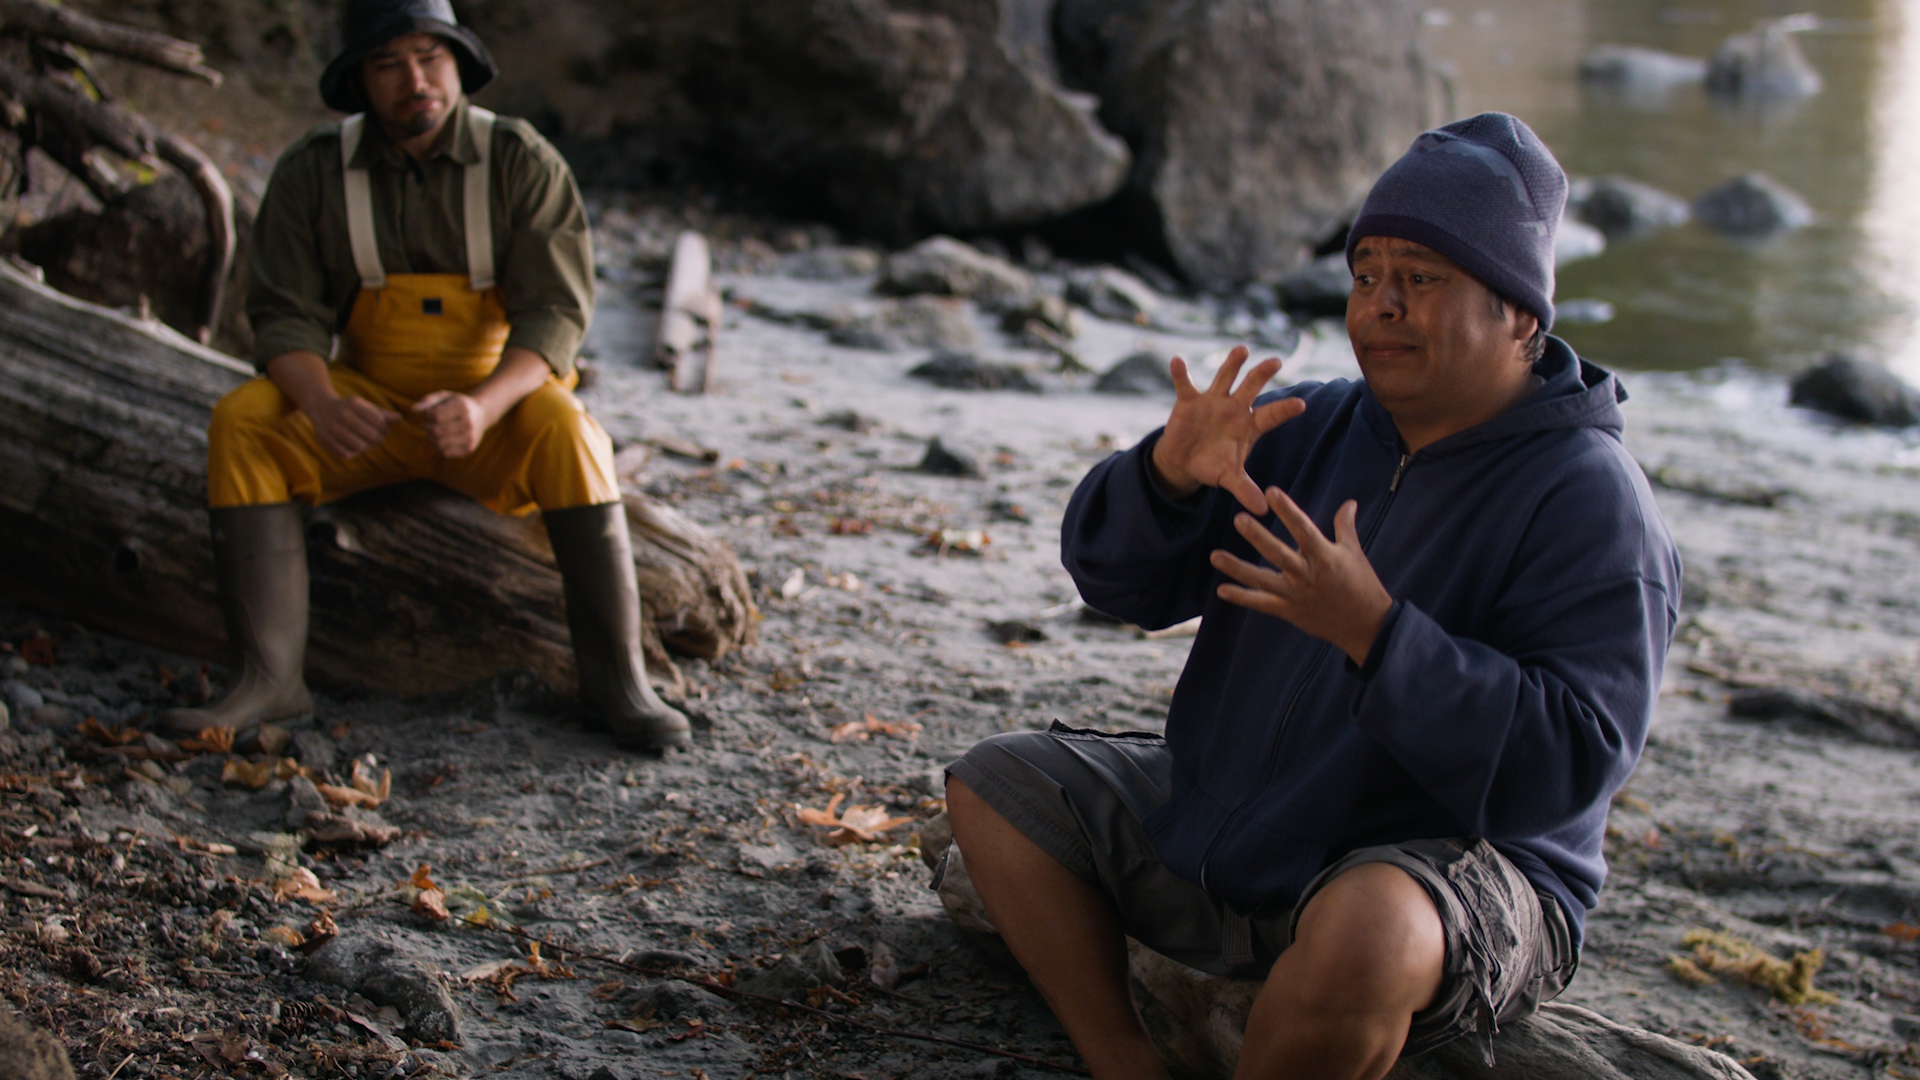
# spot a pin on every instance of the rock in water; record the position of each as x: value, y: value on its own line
x: 1141, y: 373
x: 28, y: 1053
x: 903, y: 121
x: 1858, y: 390
x: 946, y: 267
x: 1256, y: 125
x: 1576, y: 240
x: 1752, y: 205
x: 964, y: 371
x: 1637, y: 71
x: 1766, y: 63
x: 1620, y: 207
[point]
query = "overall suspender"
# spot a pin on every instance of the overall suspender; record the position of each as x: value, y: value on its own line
x: 477, y: 217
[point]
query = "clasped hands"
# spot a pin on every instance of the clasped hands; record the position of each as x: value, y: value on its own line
x: 347, y: 426
x: 1325, y: 587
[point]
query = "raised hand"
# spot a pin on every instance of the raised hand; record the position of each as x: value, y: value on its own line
x: 1327, y: 588
x: 1209, y: 434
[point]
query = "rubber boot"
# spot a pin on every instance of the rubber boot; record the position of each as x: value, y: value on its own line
x: 603, y: 613
x: 260, y: 567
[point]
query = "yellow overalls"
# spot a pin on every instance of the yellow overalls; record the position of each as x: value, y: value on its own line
x: 407, y: 336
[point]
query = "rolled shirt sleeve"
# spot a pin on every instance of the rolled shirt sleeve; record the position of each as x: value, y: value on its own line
x: 546, y: 263
x: 289, y: 295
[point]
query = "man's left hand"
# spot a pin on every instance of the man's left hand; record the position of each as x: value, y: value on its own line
x: 455, y: 422
x: 1327, y: 588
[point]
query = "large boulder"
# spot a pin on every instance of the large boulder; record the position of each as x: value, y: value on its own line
x: 1256, y: 125
x: 903, y: 119
x: 1857, y: 390
x: 1752, y: 205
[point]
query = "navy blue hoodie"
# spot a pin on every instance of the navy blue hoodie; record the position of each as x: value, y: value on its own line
x: 1508, y: 694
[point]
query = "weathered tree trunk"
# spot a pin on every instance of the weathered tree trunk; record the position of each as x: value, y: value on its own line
x: 415, y: 589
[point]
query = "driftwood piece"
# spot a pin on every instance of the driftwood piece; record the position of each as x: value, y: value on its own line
x: 415, y: 589
x: 690, y: 316
x: 217, y: 197
x: 65, y: 24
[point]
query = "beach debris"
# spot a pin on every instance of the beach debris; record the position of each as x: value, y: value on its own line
x: 1054, y: 314
x: 863, y: 823
x: 105, y: 736
x: 955, y: 370
x: 499, y: 975
x: 300, y: 882
x: 258, y: 774
x: 690, y: 316
x: 1113, y: 293
x: 927, y: 322
x: 1717, y: 953
x: 327, y: 828
x: 1752, y: 204
x: 285, y: 936
x: 964, y: 541
x: 861, y: 730
x: 795, y: 584
x: 681, y: 447
x: 211, y: 740
x: 829, y: 262
x: 943, y: 460
x: 858, y: 423
x: 364, y: 791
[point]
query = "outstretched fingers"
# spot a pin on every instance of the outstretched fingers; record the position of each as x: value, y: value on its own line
x: 1229, y: 372
x: 1305, y: 533
x: 1274, y: 413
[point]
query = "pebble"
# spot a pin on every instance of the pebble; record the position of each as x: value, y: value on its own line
x: 942, y: 460
x: 23, y: 698
x: 964, y: 371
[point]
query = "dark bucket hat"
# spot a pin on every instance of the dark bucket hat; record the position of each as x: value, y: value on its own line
x: 370, y: 24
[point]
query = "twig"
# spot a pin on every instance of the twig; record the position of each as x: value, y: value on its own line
x: 832, y: 1018
x: 117, y: 1068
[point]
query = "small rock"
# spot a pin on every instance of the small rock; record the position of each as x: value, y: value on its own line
x: 1858, y: 390
x: 314, y: 750
x: 850, y: 420
x: 1318, y: 288
x: 303, y: 799
x: 604, y: 1073
x: 15, y: 666
x: 965, y: 371
x: 1112, y: 293
x: 1766, y: 63
x: 6, y: 721
x: 1016, y: 631
x: 1581, y: 312
x: 1046, y: 309
x: 789, y: 978
x: 29, y: 1053
x: 1752, y: 205
x: 991, y: 694
x: 1576, y: 240
x: 386, y: 976
x: 830, y: 263
x: 1141, y: 373
x: 927, y: 322
x: 22, y: 697
x: 823, y: 964
x: 941, y: 460
x: 936, y: 836
x: 272, y: 739
x: 1632, y: 68
x: 947, y: 267
x: 1620, y: 207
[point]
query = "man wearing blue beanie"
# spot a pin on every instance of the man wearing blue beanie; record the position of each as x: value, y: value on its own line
x: 1435, y: 607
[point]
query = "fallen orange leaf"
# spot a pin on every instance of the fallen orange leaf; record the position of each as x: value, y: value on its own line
x: 287, y: 936
x: 433, y: 904
x: 106, y: 736
x: 1902, y: 932
x: 303, y: 884
x: 420, y: 880
x: 861, y: 729
x: 248, y: 773
x: 864, y: 823
x: 211, y: 740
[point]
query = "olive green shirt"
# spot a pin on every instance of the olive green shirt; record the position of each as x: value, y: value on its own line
x: 302, y: 280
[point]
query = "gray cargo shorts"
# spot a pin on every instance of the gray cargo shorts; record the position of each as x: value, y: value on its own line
x: 1082, y: 795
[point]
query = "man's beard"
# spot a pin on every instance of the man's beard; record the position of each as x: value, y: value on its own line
x: 419, y: 123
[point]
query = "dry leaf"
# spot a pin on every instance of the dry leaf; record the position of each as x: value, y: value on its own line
x: 211, y: 740
x: 320, y: 931
x: 864, y: 823
x: 433, y: 904
x: 420, y: 878
x: 287, y: 936
x: 327, y: 828
x: 365, y: 790
x: 861, y: 729
x: 303, y: 884
x: 247, y: 773
x: 106, y: 736
x: 1902, y: 932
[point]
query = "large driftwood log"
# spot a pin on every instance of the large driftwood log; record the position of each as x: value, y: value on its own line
x: 415, y: 589
x: 65, y: 24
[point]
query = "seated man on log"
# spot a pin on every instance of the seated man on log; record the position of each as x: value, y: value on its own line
x: 1435, y: 604
x: 448, y: 250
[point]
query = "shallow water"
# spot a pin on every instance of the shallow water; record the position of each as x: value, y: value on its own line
x: 1688, y: 298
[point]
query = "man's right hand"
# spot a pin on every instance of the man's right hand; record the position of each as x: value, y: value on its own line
x: 344, y: 426
x: 1209, y: 434
x: 348, y: 426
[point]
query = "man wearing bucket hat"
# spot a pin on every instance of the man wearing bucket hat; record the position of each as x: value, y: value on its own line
x: 447, y: 253
x: 1435, y: 603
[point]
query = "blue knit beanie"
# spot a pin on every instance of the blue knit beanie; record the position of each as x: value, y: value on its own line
x: 1486, y: 193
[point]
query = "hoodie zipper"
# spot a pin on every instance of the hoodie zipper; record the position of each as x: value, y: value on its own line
x: 1319, y: 657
